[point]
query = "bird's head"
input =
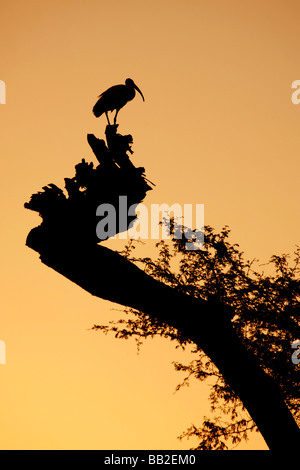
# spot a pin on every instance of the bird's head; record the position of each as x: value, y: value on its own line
x: 130, y: 83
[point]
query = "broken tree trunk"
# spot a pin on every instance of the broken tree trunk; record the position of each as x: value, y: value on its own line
x: 66, y: 242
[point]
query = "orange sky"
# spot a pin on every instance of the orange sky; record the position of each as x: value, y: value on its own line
x: 218, y: 127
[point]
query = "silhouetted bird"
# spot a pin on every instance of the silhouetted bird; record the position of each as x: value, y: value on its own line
x: 115, y: 98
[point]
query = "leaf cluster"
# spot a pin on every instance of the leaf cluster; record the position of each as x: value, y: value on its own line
x: 264, y: 310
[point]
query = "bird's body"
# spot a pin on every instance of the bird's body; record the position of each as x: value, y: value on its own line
x: 115, y: 98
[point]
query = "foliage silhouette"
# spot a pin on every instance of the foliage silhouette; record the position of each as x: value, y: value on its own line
x: 265, y: 316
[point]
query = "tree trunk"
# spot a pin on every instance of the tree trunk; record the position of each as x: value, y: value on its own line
x: 107, y: 275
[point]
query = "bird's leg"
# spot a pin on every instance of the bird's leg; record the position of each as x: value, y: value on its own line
x: 115, y: 119
x: 107, y: 118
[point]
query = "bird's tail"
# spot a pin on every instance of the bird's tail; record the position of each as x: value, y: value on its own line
x: 98, y: 109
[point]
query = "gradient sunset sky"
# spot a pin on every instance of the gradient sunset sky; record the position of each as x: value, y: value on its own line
x: 218, y: 128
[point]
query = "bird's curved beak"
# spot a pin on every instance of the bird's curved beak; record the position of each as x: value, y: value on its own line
x: 137, y: 89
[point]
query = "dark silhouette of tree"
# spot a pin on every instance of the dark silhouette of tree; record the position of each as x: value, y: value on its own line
x: 66, y: 241
x: 264, y: 311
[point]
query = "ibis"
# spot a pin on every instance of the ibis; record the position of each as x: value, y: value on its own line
x: 115, y: 98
